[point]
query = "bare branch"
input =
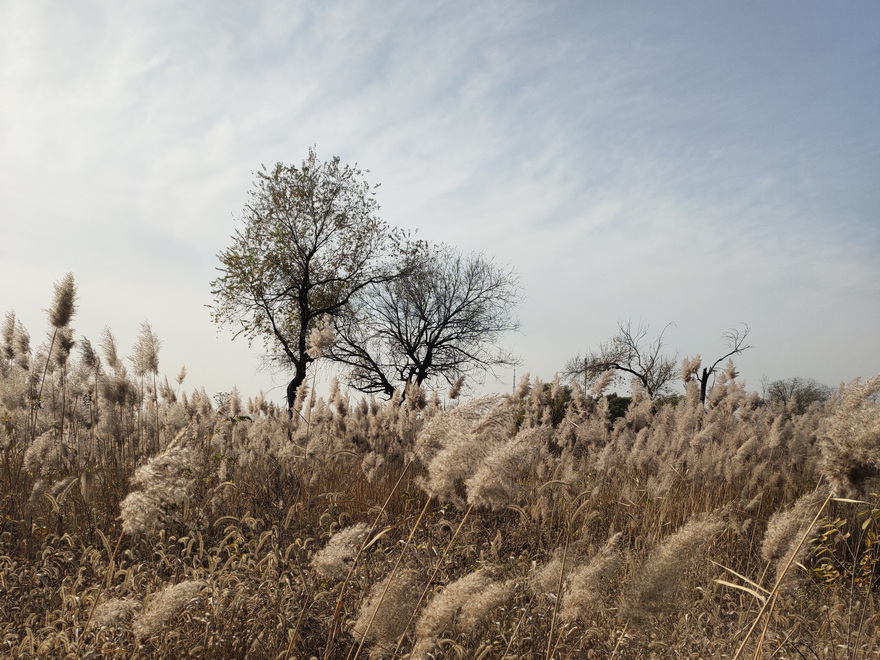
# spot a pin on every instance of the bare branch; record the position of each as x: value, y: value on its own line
x: 441, y: 319
x: 627, y: 353
x: 736, y: 342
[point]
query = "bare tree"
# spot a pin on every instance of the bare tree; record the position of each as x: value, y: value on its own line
x: 311, y: 241
x: 628, y: 352
x: 441, y: 319
x: 735, y: 341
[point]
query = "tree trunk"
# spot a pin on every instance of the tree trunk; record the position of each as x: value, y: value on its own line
x: 298, y: 379
x: 704, y: 384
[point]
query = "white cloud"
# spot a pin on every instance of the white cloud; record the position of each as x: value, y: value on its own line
x: 690, y: 165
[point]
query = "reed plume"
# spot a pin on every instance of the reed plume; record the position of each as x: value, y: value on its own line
x: 851, y: 440
x: 460, y: 607
x: 114, y: 613
x: 146, y: 351
x: 662, y: 582
x: 385, y: 613
x: 590, y: 585
x: 164, y: 606
x: 786, y: 528
x: 334, y: 560
x: 161, y: 488
x: 63, y: 303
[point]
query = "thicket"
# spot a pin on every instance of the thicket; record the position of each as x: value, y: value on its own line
x: 139, y: 520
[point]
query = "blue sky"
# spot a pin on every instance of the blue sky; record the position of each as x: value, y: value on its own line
x: 702, y: 163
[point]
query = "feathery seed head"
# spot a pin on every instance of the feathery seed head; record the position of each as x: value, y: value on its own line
x: 851, y: 440
x: 385, y: 613
x: 524, y: 387
x: 454, y: 450
x: 111, y: 353
x: 146, y: 351
x: 22, y: 346
x: 455, y: 390
x: 690, y: 367
x: 44, y: 452
x: 64, y: 302
x: 590, y: 585
x: 334, y: 559
x: 660, y: 586
x: 787, y: 526
x: 88, y: 357
x: 114, y: 613
x: 602, y: 383
x: 503, y: 476
x: 7, y: 334
x: 64, y: 342
x: 371, y: 463
x: 415, y: 396
x: 164, y: 606
x: 782, y: 540
x: 460, y: 607
x: 162, y: 485
x: 322, y: 337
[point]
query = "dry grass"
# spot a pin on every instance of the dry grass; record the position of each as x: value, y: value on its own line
x: 138, y: 522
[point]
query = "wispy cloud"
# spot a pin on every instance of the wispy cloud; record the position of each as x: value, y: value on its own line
x: 701, y: 164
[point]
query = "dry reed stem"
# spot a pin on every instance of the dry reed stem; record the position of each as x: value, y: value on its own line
x: 306, y: 604
x: 105, y: 585
x: 388, y: 583
x: 619, y: 640
x: 337, y: 613
x: 550, y: 648
x: 430, y: 580
x: 770, y: 603
x: 517, y: 627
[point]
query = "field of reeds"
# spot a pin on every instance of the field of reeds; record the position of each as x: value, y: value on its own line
x: 140, y: 519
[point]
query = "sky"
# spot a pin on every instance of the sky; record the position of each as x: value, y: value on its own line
x: 698, y: 163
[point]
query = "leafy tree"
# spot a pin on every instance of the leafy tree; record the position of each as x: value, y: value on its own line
x: 440, y: 319
x: 558, y: 397
x: 617, y: 405
x: 800, y: 393
x: 628, y: 352
x: 311, y: 241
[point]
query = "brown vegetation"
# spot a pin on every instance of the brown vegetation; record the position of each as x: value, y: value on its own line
x: 139, y: 522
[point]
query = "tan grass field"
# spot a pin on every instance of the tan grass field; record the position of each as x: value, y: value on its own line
x: 140, y: 521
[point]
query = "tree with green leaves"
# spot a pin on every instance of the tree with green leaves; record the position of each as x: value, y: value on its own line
x: 310, y: 241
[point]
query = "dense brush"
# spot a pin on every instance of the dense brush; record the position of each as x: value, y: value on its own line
x: 141, y: 520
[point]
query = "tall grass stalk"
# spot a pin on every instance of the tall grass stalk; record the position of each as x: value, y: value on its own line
x: 551, y: 649
x: 403, y: 550
x: 433, y: 575
x: 337, y: 612
x: 770, y: 603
